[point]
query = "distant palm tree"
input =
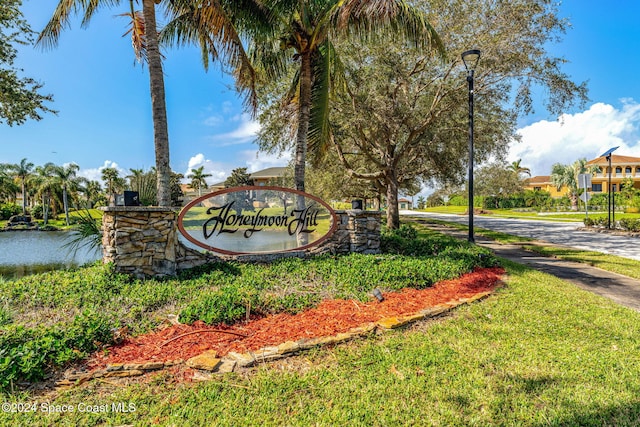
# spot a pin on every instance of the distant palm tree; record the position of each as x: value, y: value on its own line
x: 44, y: 182
x: 22, y: 171
x: 66, y: 178
x: 110, y: 176
x: 567, y: 175
x: 8, y: 187
x: 306, y: 31
x: 519, y: 169
x: 91, y: 190
x: 198, y: 179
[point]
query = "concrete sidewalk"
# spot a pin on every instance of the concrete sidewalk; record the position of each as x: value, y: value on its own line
x: 620, y: 289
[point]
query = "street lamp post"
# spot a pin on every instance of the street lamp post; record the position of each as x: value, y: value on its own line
x: 470, y: 59
x: 607, y: 156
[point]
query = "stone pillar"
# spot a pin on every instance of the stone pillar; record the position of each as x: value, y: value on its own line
x: 358, y: 231
x: 140, y: 240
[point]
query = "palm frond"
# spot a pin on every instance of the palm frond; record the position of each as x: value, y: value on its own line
x: 323, y: 75
x: 210, y: 26
x: 137, y: 31
x: 49, y: 36
x: 87, y: 234
x: 366, y: 18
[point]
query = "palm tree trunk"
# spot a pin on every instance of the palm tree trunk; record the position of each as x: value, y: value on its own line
x: 66, y: 204
x: 303, y: 122
x: 45, y: 208
x: 158, y: 104
x: 24, y: 197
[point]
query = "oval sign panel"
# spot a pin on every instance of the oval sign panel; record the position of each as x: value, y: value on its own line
x: 257, y: 220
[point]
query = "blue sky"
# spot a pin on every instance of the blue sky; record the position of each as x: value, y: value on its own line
x: 105, y: 117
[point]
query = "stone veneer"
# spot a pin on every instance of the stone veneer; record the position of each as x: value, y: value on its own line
x: 143, y: 241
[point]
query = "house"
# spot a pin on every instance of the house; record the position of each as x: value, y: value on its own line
x: 543, y: 183
x: 269, y: 176
x: 622, y: 168
x: 405, y: 203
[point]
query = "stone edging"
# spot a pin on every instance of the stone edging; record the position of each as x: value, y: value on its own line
x: 208, y: 363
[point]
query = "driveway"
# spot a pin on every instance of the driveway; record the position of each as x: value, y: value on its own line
x: 560, y: 233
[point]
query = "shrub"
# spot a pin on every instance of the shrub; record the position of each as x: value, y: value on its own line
x: 27, y: 353
x: 7, y: 210
x: 225, y: 305
x: 630, y: 224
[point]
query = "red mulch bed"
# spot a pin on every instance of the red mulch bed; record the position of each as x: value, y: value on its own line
x: 329, y: 318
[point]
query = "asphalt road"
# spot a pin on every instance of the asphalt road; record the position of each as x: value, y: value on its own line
x: 560, y: 233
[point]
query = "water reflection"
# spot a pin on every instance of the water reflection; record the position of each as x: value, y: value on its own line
x: 30, y: 252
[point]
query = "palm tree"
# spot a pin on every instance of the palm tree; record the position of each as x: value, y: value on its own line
x: 198, y: 179
x: 145, y: 42
x: 22, y: 171
x: 208, y: 23
x: 8, y: 187
x: 518, y: 169
x: 66, y: 178
x: 110, y: 176
x: 308, y: 28
x: 44, y: 182
x: 91, y: 190
x: 567, y: 175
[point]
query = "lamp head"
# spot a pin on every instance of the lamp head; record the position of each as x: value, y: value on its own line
x: 471, y: 58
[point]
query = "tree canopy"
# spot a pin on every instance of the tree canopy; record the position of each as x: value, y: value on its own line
x: 20, y: 97
x: 405, y: 113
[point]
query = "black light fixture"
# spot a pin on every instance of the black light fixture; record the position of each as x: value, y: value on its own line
x: 470, y: 59
x: 607, y: 156
x: 376, y: 293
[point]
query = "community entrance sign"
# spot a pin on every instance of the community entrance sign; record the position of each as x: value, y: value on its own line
x: 257, y: 219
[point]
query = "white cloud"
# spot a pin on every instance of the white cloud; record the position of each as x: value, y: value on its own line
x: 213, y: 120
x: 245, y: 132
x: 95, y: 174
x: 217, y: 170
x: 582, y: 135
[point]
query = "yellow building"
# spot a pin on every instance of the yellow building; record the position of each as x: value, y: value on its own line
x: 622, y: 167
x: 543, y: 183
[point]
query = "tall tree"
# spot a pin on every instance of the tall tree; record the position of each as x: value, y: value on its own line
x: 44, y: 181
x: 92, y: 192
x: 407, y: 112
x: 207, y: 23
x: 518, y: 169
x: 241, y: 200
x: 8, y: 187
x: 20, y: 97
x: 198, y: 179
x: 21, y: 172
x: 306, y: 34
x: 66, y: 178
x: 110, y: 177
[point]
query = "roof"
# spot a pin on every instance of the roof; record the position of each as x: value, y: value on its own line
x: 539, y: 179
x: 402, y: 199
x: 614, y: 160
x: 275, y: 172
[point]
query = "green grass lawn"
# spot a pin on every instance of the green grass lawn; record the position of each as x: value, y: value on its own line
x: 625, y: 266
x: 530, y: 356
x: 538, y: 352
x: 59, y: 221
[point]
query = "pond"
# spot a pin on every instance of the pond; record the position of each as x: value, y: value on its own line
x: 29, y: 252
